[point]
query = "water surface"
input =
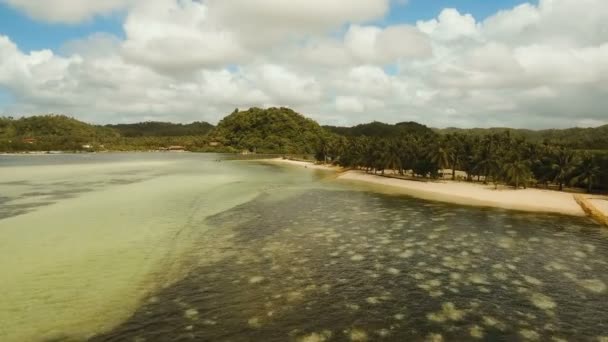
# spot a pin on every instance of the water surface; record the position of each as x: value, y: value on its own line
x: 166, y: 247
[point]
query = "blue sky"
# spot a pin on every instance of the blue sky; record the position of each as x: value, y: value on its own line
x: 30, y: 34
x: 427, y: 9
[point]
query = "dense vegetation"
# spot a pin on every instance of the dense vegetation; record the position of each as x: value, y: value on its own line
x: 162, y: 129
x: 575, y: 138
x: 50, y: 132
x: 379, y: 129
x: 62, y: 133
x: 494, y: 157
x: 273, y: 130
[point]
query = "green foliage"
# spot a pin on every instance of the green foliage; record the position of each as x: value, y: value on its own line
x: 162, y: 129
x: 59, y: 132
x: 273, y: 130
x: 379, y: 129
x: 496, y: 157
x: 50, y: 132
x: 573, y: 138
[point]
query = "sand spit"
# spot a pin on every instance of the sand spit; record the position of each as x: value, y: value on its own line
x: 303, y: 164
x: 594, y: 206
x: 533, y: 200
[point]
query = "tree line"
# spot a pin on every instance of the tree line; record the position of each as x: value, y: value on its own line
x: 497, y: 158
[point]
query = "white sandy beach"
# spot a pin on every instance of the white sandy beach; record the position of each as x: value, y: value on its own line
x: 534, y: 200
x: 302, y: 164
x: 601, y: 205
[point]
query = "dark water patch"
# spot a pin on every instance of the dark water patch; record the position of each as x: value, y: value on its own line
x: 119, y: 181
x: 58, y: 194
x: 16, y: 183
x: 11, y: 210
x: 345, y: 265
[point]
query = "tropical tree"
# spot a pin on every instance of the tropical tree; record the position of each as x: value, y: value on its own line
x: 517, y: 172
x: 587, y: 172
x: 563, y: 165
x: 439, y: 156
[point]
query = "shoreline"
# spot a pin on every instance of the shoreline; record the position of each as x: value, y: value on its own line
x: 304, y: 164
x: 479, y: 195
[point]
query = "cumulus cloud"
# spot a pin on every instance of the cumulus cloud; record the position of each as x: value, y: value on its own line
x: 528, y: 66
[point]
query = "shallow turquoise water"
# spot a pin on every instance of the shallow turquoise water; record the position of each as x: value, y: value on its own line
x: 171, y: 247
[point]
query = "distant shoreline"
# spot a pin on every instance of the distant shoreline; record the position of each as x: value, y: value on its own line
x: 474, y: 194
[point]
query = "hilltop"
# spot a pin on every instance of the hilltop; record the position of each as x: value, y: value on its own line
x: 380, y: 129
x: 272, y: 130
x: 162, y: 129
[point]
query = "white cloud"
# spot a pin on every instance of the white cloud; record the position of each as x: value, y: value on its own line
x: 535, y: 66
x: 450, y: 25
x: 371, y: 44
x: 349, y: 104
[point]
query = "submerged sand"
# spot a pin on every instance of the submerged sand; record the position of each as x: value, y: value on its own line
x: 533, y: 200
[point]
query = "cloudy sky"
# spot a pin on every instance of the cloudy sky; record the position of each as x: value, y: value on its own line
x: 443, y: 63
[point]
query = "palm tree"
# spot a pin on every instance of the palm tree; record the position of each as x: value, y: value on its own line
x: 440, y: 156
x: 517, y: 172
x: 587, y: 172
x: 563, y: 165
x: 392, y: 157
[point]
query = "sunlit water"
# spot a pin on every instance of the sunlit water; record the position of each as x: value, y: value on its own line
x: 176, y: 247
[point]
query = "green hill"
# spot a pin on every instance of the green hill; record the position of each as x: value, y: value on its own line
x: 162, y: 129
x: 380, y: 129
x: 49, y: 132
x: 272, y: 130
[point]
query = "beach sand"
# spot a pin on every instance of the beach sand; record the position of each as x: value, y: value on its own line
x: 533, y: 200
x: 601, y: 205
x: 303, y: 164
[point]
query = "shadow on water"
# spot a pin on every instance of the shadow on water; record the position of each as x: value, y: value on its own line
x: 10, y: 210
x: 342, y: 265
x: 41, y: 195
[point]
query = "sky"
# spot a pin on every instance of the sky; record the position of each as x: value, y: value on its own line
x: 460, y: 63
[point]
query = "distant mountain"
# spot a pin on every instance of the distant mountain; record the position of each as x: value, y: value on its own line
x: 277, y: 130
x: 577, y: 138
x: 162, y: 129
x: 380, y: 129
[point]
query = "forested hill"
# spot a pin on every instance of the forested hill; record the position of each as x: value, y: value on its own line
x: 162, y: 129
x: 576, y: 138
x: 277, y: 130
x: 49, y: 132
x: 380, y: 129
x: 272, y: 130
x: 60, y: 132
